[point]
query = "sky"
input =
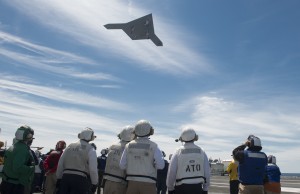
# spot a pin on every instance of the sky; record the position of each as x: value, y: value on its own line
x: 228, y: 69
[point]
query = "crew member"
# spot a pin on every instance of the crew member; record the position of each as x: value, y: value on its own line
x: 252, y: 164
x: 141, y: 159
x: 50, y: 166
x: 232, y: 170
x: 272, y: 181
x: 18, y: 169
x: 189, y: 170
x: 114, y: 177
x: 161, y: 177
x: 78, y: 161
x: 101, y: 163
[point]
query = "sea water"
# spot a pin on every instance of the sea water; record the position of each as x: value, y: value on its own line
x: 290, y: 175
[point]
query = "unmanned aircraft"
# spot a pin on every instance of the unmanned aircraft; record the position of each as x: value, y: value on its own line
x: 141, y: 28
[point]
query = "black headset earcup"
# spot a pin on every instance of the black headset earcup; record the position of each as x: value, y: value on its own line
x: 151, y: 131
x: 196, y: 138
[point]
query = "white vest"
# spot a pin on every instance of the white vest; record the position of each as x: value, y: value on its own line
x: 190, y: 166
x: 140, y: 160
x: 112, y: 169
x: 76, y: 159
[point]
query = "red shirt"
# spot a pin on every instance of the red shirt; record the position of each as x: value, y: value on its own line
x: 51, y: 162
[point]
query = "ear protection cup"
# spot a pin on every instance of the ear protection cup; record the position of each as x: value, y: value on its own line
x: 163, y: 153
x: 251, y: 143
x: 196, y: 138
x: 93, y: 136
x: 151, y: 131
x: 24, y: 133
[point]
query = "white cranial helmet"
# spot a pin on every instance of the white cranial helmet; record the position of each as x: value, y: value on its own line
x: 272, y: 159
x: 254, y: 141
x: 87, y: 134
x: 143, y: 128
x: 188, y: 134
x: 24, y: 133
x: 127, y: 133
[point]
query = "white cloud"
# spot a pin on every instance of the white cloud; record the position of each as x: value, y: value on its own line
x: 60, y: 95
x: 236, y: 118
x: 49, y: 60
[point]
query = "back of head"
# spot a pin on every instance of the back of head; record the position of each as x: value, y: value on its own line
x: 24, y: 133
x: 143, y: 128
x: 87, y: 134
x: 104, y: 151
x: 254, y: 142
x: 60, y: 145
x: 127, y: 134
x: 188, y: 135
x: 271, y: 159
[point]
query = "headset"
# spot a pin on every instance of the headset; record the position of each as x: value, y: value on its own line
x: 24, y: 133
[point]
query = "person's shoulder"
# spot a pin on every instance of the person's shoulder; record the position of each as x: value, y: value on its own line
x: 153, y: 143
x: 21, y: 146
x: 55, y: 153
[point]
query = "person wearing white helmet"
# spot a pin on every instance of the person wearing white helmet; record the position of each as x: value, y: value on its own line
x: 76, y: 164
x: 101, y: 161
x: 141, y: 158
x: 114, y: 176
x: 189, y: 170
x: 272, y: 179
x: 252, y: 164
x: 19, y: 164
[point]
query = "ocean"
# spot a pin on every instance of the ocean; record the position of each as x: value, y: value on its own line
x: 290, y: 175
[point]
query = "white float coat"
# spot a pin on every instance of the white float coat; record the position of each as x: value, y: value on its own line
x: 159, y: 162
x: 173, y: 166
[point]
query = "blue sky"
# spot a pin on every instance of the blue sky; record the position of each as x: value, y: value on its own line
x: 227, y: 68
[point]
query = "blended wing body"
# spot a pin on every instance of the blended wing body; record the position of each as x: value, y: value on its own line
x: 141, y: 28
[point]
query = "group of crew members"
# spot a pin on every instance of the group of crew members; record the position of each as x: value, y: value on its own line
x: 133, y: 165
